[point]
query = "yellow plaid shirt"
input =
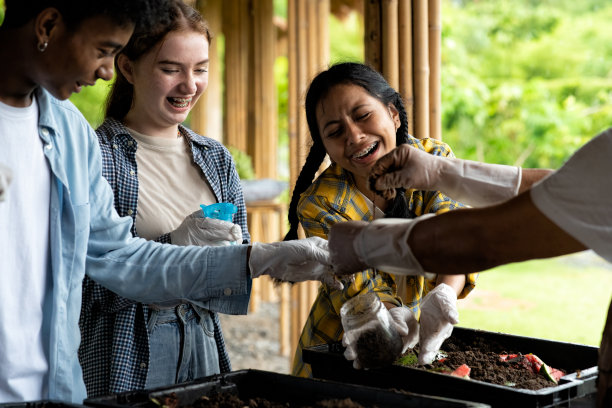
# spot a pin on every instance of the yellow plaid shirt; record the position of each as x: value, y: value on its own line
x: 332, y: 198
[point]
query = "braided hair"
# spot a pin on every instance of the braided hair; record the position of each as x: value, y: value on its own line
x: 375, y: 84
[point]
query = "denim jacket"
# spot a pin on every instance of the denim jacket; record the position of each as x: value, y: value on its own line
x: 114, y: 352
x: 86, y: 233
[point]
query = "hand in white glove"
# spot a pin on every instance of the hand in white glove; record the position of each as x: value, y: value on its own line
x: 383, y: 244
x: 406, y: 325
x: 372, y: 333
x: 473, y: 183
x: 294, y: 261
x: 5, y: 179
x: 196, y: 230
x: 438, y: 316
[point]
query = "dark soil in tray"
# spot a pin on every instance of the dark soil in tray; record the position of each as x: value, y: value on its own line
x: 227, y: 400
x: 485, y: 363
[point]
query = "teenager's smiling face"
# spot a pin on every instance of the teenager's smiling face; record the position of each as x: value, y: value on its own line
x: 78, y: 58
x: 169, y: 79
x: 356, y: 129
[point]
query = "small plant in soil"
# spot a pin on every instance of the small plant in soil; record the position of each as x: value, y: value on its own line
x: 484, y: 361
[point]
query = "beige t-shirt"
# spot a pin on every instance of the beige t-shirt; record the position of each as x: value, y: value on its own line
x: 170, y: 185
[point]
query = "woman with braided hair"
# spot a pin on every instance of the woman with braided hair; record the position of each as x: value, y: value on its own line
x: 355, y: 117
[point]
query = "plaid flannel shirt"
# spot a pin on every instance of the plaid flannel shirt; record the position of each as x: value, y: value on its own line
x: 114, y: 351
x: 334, y: 197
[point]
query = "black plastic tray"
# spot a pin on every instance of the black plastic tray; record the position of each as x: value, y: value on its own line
x: 40, y: 404
x: 328, y: 362
x: 279, y: 388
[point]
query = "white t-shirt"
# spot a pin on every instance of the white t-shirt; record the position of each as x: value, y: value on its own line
x: 24, y: 257
x: 578, y: 197
x: 170, y: 185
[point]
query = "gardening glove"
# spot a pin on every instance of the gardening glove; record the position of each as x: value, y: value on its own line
x: 5, y: 179
x: 383, y: 244
x: 294, y: 261
x: 407, y: 326
x: 196, y: 230
x: 470, y: 182
x: 371, y: 338
x: 438, y: 316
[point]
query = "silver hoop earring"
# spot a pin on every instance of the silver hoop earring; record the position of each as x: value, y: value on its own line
x: 42, y: 46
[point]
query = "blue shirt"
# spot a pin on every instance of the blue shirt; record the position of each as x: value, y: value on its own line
x: 114, y: 351
x: 86, y: 233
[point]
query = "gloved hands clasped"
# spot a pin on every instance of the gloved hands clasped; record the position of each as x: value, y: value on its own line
x: 438, y: 316
x: 196, y: 230
x: 470, y: 182
x: 5, y: 180
x: 374, y: 336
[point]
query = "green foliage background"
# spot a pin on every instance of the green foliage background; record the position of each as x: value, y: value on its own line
x: 525, y: 82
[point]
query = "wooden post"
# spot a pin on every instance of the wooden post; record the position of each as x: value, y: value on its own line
x: 421, y: 69
x: 262, y: 107
x: 435, y: 62
x: 236, y: 27
x: 207, y: 114
x: 406, y: 88
x: 372, y: 32
x: 390, y: 47
x: 308, y: 54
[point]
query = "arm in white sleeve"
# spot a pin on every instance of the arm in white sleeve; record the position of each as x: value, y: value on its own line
x: 470, y: 182
x: 383, y: 244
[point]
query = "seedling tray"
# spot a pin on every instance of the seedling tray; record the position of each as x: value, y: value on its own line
x: 40, y: 404
x: 574, y: 389
x: 280, y: 388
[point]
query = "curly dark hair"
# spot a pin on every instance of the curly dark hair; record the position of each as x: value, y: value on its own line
x: 141, y: 13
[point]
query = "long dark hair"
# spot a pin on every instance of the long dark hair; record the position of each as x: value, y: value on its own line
x: 376, y: 85
x: 180, y: 17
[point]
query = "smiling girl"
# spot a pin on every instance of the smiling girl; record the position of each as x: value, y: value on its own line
x: 355, y: 117
x: 160, y: 172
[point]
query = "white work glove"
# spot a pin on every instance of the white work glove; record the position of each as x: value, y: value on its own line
x: 5, y: 179
x: 373, y: 335
x: 382, y: 244
x: 438, y: 316
x: 196, y: 230
x: 470, y: 182
x: 406, y: 325
x: 294, y: 261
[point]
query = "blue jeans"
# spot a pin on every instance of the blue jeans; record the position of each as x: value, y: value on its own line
x: 182, y: 345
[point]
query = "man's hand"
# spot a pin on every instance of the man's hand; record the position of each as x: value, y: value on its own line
x: 438, y: 316
x: 383, y: 244
x: 294, y: 261
x: 196, y: 230
x: 5, y: 179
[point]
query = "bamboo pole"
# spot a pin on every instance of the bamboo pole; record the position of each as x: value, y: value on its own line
x: 421, y: 69
x: 406, y: 88
x: 207, y: 114
x: 236, y: 27
x: 390, y: 39
x: 435, y: 57
x: 372, y: 33
x: 263, y: 132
